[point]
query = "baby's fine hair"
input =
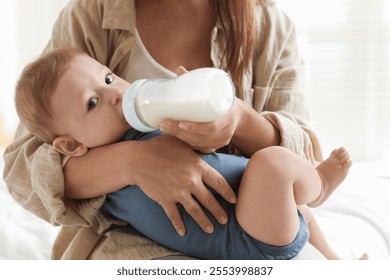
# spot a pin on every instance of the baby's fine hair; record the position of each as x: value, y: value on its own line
x: 36, y: 84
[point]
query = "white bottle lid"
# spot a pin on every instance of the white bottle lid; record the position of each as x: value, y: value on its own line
x: 129, y: 107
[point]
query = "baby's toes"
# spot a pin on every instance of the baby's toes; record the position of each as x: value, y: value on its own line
x: 335, y: 152
x: 341, y: 153
x: 347, y: 163
x: 345, y: 159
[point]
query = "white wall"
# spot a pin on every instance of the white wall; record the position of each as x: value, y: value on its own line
x: 26, y: 27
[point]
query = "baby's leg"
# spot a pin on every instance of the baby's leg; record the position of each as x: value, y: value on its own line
x: 317, y: 238
x: 274, y: 183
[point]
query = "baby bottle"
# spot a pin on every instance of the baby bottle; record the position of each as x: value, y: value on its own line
x: 200, y: 95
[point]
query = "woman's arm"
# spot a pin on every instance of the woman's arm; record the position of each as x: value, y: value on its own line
x: 165, y: 168
x: 242, y: 127
x: 254, y: 132
x: 34, y: 177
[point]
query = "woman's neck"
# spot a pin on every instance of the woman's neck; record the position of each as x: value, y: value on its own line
x: 179, y: 33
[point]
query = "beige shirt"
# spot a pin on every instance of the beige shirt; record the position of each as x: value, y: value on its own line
x: 106, y: 30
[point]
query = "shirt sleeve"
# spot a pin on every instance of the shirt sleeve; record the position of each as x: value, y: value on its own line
x: 79, y: 25
x: 279, y: 80
x: 34, y: 177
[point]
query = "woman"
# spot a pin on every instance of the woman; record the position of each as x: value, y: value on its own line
x: 254, y: 42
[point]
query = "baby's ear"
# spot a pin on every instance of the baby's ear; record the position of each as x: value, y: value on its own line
x: 68, y: 146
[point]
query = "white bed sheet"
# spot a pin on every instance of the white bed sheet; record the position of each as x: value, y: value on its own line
x: 23, y: 236
x: 355, y: 220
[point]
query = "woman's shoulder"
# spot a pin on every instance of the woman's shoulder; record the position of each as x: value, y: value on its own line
x: 101, y: 9
x: 266, y: 2
x: 77, y: 4
x: 271, y: 18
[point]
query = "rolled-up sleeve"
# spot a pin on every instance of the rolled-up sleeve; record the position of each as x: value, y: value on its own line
x: 279, y: 83
x: 34, y: 177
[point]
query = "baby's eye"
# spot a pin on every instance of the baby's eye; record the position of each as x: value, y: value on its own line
x: 92, y: 103
x: 109, y: 78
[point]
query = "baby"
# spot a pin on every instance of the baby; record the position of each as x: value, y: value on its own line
x: 71, y: 101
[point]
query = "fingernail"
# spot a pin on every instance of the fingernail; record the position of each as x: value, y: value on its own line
x: 223, y: 220
x: 233, y: 199
x: 209, y: 229
x: 165, y: 127
x: 181, y: 232
x: 183, y: 125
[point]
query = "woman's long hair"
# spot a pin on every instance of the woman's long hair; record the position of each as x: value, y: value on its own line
x: 237, y: 19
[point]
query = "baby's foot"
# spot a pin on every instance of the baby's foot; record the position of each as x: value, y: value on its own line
x: 332, y: 171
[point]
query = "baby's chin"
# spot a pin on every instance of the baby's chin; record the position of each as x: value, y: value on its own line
x: 128, y: 127
x: 119, y: 136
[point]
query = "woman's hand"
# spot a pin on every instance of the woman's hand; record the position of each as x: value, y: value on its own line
x: 171, y: 173
x: 209, y: 136
x: 243, y: 128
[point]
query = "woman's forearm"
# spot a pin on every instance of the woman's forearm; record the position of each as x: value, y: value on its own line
x: 254, y: 132
x: 100, y: 171
x: 165, y: 168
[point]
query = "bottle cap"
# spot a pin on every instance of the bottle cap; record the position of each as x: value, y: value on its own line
x: 130, y: 110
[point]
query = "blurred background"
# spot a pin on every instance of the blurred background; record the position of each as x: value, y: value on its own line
x: 345, y: 43
x: 26, y: 29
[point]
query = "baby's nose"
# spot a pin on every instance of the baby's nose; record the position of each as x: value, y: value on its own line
x: 116, y: 97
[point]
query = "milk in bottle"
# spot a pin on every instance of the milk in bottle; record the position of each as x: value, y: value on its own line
x: 200, y: 95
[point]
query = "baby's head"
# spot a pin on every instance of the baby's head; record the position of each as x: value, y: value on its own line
x: 69, y: 100
x: 35, y: 87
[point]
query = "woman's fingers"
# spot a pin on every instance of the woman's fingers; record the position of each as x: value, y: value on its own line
x: 174, y: 215
x: 182, y: 175
x: 215, y: 180
x: 190, y: 191
x: 207, y: 199
x: 196, y: 212
x: 213, y: 134
x: 197, y: 137
x: 192, y: 207
x: 195, y: 194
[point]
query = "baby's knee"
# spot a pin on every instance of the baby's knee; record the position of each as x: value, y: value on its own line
x: 275, y: 158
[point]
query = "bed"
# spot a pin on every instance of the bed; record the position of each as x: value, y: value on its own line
x: 355, y: 220
x: 23, y: 236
